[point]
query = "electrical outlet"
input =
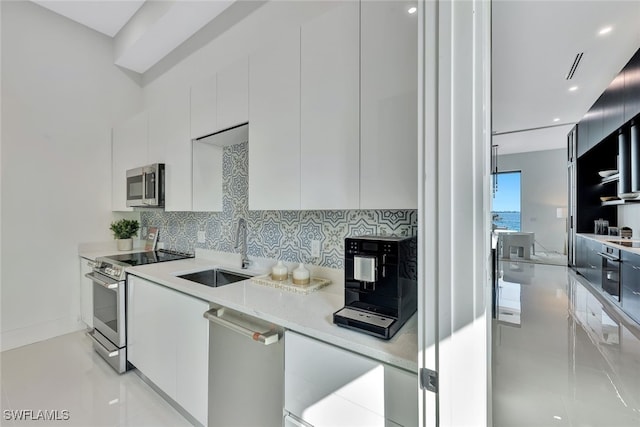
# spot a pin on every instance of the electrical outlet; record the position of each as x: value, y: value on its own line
x: 202, y: 236
x: 315, y: 248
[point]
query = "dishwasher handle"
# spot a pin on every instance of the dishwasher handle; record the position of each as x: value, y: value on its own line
x: 215, y: 315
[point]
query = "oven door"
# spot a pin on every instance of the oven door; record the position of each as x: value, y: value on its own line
x: 611, y: 275
x: 108, y: 308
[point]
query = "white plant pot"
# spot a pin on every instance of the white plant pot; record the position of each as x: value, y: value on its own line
x: 125, y: 244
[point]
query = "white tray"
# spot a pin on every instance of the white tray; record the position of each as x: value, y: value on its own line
x: 314, y: 284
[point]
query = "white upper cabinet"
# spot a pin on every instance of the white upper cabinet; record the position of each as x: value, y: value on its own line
x: 388, y: 107
x: 203, y: 107
x: 129, y: 150
x: 158, y: 135
x: 207, y: 177
x: 330, y: 110
x: 169, y: 143
x: 274, y: 125
x: 233, y: 94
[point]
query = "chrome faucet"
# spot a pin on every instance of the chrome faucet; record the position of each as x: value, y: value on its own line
x: 242, y: 228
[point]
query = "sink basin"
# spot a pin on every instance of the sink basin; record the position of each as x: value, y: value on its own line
x: 215, y: 277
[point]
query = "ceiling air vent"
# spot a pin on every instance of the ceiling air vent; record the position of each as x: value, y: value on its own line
x: 574, y: 66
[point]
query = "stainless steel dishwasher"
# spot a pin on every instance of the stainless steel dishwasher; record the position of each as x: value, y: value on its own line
x: 246, y: 370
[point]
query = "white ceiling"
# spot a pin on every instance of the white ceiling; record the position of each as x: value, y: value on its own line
x: 144, y: 33
x: 534, y: 44
x: 106, y: 16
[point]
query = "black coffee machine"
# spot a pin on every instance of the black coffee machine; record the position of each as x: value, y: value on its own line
x: 380, y: 284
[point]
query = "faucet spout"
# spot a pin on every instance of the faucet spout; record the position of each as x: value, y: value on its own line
x: 242, y: 243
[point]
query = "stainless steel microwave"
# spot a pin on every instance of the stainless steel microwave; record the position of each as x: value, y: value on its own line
x: 145, y: 186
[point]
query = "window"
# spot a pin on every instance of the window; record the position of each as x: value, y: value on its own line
x: 506, y: 201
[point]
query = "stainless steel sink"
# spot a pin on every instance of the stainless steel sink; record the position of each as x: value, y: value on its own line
x: 215, y: 277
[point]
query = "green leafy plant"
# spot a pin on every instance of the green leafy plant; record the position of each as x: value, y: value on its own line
x: 125, y: 228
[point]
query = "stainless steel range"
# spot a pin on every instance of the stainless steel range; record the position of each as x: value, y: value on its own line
x: 109, y: 301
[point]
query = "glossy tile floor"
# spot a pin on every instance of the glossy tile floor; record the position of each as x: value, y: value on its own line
x: 65, y: 374
x: 562, y: 355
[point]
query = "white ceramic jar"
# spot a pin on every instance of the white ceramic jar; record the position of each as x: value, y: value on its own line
x: 301, y: 275
x: 279, y: 271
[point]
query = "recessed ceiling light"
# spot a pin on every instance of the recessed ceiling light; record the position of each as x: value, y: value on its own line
x: 605, y: 30
x: 573, y: 88
x: 556, y: 417
x: 412, y: 10
x: 557, y: 119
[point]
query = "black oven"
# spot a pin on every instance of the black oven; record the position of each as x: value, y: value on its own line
x: 611, y: 271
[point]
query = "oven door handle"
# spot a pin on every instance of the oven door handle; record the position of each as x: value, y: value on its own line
x: 609, y: 257
x: 101, y: 282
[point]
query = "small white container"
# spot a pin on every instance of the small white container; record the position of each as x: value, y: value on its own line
x: 301, y: 275
x: 279, y: 271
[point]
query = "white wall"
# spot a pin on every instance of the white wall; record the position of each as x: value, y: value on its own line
x: 543, y: 190
x: 61, y: 94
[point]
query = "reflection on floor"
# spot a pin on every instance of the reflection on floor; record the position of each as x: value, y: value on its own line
x: 66, y: 378
x: 561, y: 355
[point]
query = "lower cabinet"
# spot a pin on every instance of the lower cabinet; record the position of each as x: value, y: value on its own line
x: 328, y: 386
x: 630, y: 284
x: 86, y: 292
x: 168, y: 342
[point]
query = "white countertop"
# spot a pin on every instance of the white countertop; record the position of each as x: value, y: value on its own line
x: 311, y: 314
x: 610, y: 240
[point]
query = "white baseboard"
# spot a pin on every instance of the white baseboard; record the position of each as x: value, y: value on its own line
x: 28, y: 335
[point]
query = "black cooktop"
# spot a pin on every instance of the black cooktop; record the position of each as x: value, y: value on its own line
x: 150, y: 257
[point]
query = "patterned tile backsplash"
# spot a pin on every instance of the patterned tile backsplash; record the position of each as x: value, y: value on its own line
x: 284, y: 235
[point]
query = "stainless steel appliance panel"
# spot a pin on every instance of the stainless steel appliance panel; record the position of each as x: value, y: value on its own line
x: 116, y: 357
x: 109, y: 308
x: 611, y: 271
x: 246, y: 370
x: 145, y: 186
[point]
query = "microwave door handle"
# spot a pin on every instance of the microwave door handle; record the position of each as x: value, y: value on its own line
x: 144, y: 188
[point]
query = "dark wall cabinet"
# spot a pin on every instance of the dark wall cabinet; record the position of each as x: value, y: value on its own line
x: 618, y: 104
x: 630, y: 280
x: 613, y: 106
x: 632, y: 88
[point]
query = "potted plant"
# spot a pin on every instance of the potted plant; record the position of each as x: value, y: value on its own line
x: 123, y: 232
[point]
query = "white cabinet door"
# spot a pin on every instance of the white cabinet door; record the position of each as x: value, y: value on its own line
x: 274, y: 125
x: 129, y: 150
x: 151, y: 329
x: 330, y: 110
x: 168, y: 341
x: 203, y: 108
x: 207, y: 177
x: 192, y: 361
x: 388, y: 131
x: 177, y: 149
x: 86, y: 293
x: 233, y: 94
x: 328, y: 386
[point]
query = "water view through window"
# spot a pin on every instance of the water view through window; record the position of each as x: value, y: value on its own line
x: 506, y: 202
